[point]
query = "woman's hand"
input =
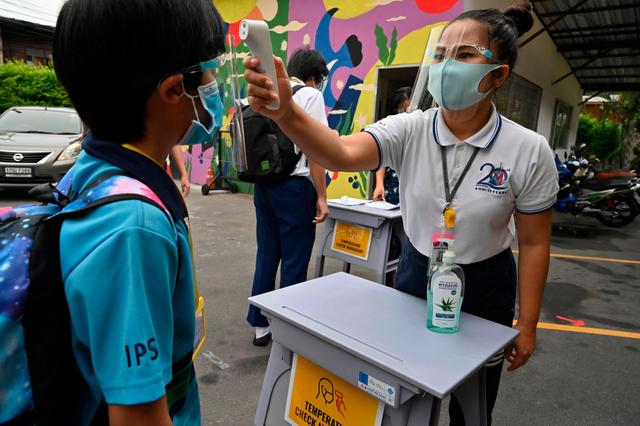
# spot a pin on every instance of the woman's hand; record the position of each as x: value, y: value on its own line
x: 186, y: 185
x: 519, y: 352
x: 260, y: 88
x: 378, y: 193
x: 322, y: 211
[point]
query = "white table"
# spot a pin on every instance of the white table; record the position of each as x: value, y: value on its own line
x: 383, y: 223
x: 346, y: 325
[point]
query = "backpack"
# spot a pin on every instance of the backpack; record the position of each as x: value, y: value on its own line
x: 271, y: 155
x: 40, y: 382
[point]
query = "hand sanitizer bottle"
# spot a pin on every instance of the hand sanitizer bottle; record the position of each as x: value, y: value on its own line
x: 445, y: 295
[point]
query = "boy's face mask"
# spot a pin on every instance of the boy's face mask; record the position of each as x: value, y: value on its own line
x: 203, y: 130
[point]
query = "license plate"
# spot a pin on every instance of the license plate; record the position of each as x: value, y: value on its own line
x: 17, y: 171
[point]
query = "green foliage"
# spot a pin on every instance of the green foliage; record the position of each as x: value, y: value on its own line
x: 393, y: 46
x: 386, y: 54
x: 381, y: 42
x: 602, y: 137
x: 27, y: 85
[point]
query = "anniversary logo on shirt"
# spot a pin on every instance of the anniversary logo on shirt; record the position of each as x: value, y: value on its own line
x: 495, y: 180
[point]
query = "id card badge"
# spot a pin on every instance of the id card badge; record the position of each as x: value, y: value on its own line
x: 201, y: 329
x: 440, y: 243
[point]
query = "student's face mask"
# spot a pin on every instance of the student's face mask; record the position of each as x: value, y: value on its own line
x: 203, y: 129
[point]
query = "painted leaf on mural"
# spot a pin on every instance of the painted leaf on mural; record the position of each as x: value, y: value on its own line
x: 381, y: 42
x: 393, y: 46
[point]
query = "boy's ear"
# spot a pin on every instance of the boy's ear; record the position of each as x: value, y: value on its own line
x: 170, y: 89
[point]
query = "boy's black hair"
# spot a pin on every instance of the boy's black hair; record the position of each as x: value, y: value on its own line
x: 111, y: 54
x: 307, y: 63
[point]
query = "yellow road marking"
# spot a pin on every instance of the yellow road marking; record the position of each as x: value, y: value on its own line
x: 597, y: 259
x: 587, y: 330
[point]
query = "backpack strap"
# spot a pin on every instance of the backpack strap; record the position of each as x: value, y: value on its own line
x: 110, y: 188
x: 297, y: 88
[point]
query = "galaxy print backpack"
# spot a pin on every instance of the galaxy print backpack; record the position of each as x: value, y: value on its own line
x: 40, y: 383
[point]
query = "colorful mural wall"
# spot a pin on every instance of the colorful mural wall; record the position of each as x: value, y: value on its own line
x: 355, y: 38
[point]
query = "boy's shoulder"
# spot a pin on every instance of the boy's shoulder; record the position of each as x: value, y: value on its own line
x: 82, y: 234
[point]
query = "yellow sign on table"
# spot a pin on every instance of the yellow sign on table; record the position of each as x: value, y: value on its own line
x: 318, y: 397
x: 351, y: 239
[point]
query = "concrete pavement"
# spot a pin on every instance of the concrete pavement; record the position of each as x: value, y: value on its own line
x: 573, y: 379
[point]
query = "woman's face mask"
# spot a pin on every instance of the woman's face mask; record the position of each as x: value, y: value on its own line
x: 456, y: 74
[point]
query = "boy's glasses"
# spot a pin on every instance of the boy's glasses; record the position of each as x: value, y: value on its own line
x: 193, y: 74
x: 211, y: 64
x: 463, y: 52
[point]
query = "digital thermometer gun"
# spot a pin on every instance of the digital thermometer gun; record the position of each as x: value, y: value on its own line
x: 256, y: 35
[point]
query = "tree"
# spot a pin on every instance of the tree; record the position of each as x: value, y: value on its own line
x: 28, y: 85
x: 602, y: 137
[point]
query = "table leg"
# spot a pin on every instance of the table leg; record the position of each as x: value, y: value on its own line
x: 473, y: 399
x: 320, y: 265
x: 279, y: 362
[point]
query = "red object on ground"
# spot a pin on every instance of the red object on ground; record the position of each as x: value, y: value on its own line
x: 210, y: 176
x: 576, y: 323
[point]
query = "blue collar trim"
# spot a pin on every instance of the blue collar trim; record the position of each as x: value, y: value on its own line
x: 494, y: 135
x: 141, y: 168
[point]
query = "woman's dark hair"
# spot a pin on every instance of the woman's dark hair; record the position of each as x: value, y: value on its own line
x: 111, y: 54
x: 505, y: 26
x: 397, y: 98
x: 307, y: 63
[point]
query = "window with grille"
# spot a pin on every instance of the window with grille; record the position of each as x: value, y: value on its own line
x: 519, y: 100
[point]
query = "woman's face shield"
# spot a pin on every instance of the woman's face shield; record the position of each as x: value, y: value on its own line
x: 461, y: 60
x: 462, y: 52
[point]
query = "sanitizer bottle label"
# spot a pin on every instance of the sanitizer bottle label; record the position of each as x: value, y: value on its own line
x: 446, y: 300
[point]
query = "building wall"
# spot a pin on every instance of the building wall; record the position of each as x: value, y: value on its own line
x: 357, y: 37
x: 25, y: 48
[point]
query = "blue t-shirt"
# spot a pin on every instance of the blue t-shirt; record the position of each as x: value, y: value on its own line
x: 128, y: 278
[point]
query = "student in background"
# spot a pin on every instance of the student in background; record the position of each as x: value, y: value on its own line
x: 387, y: 186
x: 287, y: 212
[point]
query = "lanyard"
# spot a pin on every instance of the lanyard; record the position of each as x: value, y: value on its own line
x: 445, y: 175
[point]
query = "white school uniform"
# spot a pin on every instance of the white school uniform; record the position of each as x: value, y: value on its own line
x: 513, y: 171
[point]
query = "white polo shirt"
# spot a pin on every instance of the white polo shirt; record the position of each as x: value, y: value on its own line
x: 514, y: 170
x: 312, y: 101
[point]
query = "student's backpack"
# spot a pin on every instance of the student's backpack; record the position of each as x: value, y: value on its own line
x: 271, y: 155
x: 40, y: 382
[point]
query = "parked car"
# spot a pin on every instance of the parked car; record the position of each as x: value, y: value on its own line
x: 37, y: 145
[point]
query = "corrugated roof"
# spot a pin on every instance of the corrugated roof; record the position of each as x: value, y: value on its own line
x: 37, y: 12
x: 600, y: 39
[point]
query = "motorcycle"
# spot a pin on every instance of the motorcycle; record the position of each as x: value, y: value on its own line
x: 613, y: 202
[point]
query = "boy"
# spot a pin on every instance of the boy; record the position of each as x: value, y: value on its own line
x: 141, y: 74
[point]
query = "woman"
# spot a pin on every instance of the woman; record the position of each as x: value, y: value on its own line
x: 462, y: 155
